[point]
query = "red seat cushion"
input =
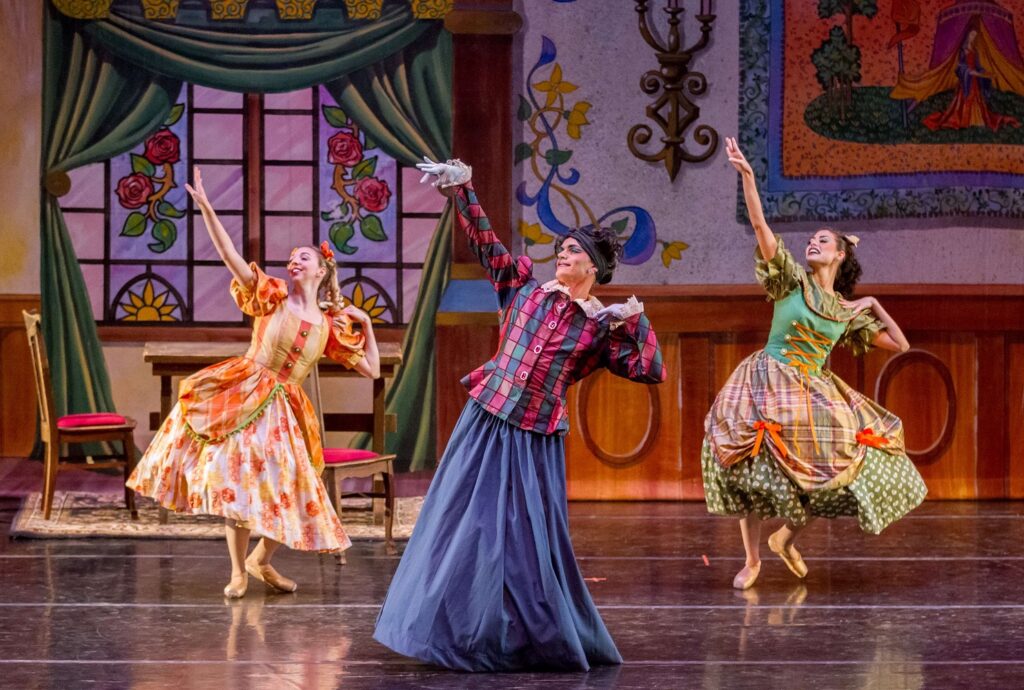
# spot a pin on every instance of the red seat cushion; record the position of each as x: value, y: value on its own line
x: 72, y: 421
x: 337, y: 456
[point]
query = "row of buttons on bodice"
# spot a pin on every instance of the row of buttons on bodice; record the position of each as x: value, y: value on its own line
x: 527, y: 365
x: 297, y: 346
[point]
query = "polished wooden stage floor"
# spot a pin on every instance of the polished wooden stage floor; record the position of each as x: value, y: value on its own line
x: 935, y: 602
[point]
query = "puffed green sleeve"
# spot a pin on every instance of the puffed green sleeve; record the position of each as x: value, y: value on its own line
x: 861, y: 332
x: 781, y: 275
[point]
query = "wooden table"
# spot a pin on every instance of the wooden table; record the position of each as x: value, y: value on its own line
x: 170, y: 359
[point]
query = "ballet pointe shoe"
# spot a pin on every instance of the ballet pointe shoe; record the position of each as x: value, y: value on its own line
x: 746, y: 578
x: 270, y: 577
x: 235, y: 589
x: 789, y: 555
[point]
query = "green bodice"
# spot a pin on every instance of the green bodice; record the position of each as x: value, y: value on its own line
x: 808, y: 322
x: 799, y: 337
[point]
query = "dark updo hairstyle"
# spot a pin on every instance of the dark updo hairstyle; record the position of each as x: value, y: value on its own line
x: 606, y: 243
x: 849, y: 270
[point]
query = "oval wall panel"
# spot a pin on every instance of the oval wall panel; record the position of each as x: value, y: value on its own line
x: 619, y: 419
x: 900, y: 388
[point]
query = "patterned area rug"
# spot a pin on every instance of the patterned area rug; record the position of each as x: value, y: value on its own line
x: 78, y: 515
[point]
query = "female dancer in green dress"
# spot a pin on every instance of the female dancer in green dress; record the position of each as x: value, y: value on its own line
x: 786, y: 437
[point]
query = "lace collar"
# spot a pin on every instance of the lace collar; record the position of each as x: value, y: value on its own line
x: 590, y: 306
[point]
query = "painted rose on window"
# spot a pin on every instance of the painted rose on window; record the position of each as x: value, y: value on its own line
x: 361, y: 196
x: 373, y: 194
x: 344, y: 149
x: 134, y: 190
x: 145, y: 189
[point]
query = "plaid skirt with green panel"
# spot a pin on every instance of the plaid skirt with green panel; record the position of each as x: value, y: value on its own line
x: 886, y: 488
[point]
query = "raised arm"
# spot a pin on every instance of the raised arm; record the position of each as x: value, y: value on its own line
x: 506, y: 274
x: 765, y: 237
x: 218, y: 235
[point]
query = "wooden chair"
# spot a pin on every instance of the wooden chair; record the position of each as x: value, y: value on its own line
x: 73, y: 428
x: 351, y: 463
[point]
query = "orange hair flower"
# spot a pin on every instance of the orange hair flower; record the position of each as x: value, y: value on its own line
x: 326, y: 250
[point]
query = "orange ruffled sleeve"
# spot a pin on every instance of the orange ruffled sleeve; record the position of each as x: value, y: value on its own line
x: 344, y: 343
x: 263, y: 296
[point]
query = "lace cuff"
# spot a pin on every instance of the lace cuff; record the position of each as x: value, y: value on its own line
x: 457, y: 175
x: 631, y: 307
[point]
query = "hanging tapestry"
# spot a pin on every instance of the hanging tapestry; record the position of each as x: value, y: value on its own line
x: 858, y: 109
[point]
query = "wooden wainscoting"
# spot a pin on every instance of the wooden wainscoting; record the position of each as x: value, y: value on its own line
x: 17, y: 385
x: 959, y: 391
x: 1015, y: 416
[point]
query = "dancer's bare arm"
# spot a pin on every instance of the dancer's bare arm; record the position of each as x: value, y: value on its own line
x: 218, y: 235
x: 892, y: 337
x: 765, y: 237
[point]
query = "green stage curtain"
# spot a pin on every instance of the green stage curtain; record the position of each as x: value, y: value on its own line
x: 404, y: 103
x: 93, y: 109
x: 264, y: 56
x: 109, y: 83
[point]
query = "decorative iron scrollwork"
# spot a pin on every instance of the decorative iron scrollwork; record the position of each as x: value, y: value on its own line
x: 673, y: 111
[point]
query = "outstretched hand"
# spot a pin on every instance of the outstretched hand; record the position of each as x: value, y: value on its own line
x: 357, y: 315
x: 439, y: 170
x: 736, y: 157
x: 197, y: 193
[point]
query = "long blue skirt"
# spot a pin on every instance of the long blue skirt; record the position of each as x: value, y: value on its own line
x: 489, y: 581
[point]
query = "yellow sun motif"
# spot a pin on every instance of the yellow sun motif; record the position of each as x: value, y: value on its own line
x: 148, y: 306
x: 367, y: 303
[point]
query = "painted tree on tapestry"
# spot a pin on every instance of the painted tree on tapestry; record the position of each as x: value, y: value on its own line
x: 848, y: 9
x: 545, y: 110
x: 315, y: 176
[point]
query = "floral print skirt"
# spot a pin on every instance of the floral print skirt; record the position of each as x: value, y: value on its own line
x: 886, y: 488
x: 259, y: 476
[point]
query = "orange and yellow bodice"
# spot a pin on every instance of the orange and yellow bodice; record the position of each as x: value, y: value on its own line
x: 230, y: 396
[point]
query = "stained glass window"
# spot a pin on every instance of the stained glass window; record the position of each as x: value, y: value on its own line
x: 310, y: 171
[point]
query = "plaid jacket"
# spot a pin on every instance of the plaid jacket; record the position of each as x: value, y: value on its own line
x: 548, y: 341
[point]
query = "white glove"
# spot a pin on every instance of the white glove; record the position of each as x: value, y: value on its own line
x: 613, y: 312
x: 449, y: 174
x: 617, y: 313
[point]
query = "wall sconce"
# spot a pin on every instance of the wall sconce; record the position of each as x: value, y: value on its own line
x: 673, y: 111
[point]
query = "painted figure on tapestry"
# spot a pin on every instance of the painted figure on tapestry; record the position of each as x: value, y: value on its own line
x: 489, y: 580
x: 869, y: 109
x: 975, y: 54
x: 243, y: 441
x: 785, y: 437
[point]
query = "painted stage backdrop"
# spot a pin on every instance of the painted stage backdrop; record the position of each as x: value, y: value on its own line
x: 858, y: 109
x: 143, y: 248
x: 566, y: 86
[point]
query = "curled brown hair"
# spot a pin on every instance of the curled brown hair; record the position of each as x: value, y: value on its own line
x: 849, y: 270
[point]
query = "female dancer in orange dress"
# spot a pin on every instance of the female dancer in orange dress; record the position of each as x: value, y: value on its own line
x: 243, y: 442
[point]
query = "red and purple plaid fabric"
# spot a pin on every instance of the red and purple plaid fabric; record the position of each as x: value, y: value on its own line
x: 548, y: 341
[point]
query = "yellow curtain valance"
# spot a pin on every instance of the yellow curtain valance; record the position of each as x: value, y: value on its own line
x: 233, y: 10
